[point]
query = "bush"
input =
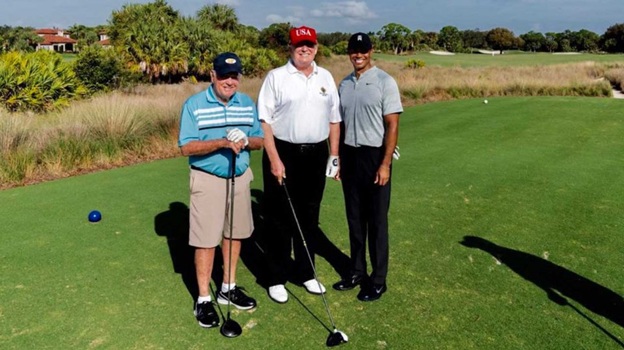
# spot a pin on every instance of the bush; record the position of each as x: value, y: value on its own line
x: 98, y: 68
x: 340, y: 48
x: 39, y: 82
x: 414, y: 63
x: 257, y: 61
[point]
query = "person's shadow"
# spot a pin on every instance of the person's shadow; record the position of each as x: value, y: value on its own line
x: 254, y: 252
x: 558, y: 282
x: 174, y: 225
x: 253, y: 249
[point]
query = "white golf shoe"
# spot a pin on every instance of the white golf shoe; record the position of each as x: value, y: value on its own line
x: 278, y: 293
x: 313, y: 286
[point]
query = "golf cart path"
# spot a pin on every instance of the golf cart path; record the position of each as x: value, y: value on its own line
x: 618, y: 94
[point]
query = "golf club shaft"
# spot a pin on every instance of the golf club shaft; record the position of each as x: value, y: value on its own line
x: 232, y: 191
x: 305, y: 245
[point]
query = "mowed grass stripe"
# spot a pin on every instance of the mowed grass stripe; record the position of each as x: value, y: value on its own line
x: 538, y: 175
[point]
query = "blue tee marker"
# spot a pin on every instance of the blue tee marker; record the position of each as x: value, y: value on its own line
x: 95, y: 216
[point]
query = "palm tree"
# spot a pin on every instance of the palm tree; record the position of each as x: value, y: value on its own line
x: 222, y: 17
x: 148, y: 37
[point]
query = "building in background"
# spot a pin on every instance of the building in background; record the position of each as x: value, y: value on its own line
x: 55, y: 39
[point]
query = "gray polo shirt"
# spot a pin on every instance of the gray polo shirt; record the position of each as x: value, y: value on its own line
x: 363, y: 104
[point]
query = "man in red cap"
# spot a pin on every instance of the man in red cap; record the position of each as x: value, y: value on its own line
x: 299, y: 109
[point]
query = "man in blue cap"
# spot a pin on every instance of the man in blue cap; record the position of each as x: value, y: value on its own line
x: 216, y: 125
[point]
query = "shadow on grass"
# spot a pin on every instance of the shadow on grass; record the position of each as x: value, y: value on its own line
x: 255, y: 257
x: 174, y: 225
x: 308, y: 310
x: 558, y: 282
x: 253, y: 249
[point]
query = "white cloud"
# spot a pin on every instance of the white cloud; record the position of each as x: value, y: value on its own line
x: 352, y: 11
x: 273, y: 18
x: 232, y: 3
x: 298, y: 11
x: 295, y: 16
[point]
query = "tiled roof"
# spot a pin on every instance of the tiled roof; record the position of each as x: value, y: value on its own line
x: 104, y: 42
x: 55, y: 39
x: 49, y: 31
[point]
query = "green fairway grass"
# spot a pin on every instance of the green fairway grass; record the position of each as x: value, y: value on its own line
x: 541, y: 178
x: 507, y: 59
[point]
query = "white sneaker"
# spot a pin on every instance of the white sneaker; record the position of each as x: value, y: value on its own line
x: 278, y: 293
x: 313, y: 286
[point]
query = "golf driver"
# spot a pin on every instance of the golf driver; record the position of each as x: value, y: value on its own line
x: 335, y: 337
x: 230, y: 328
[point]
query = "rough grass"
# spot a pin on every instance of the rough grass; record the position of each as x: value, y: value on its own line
x: 109, y: 130
x: 537, y: 176
x: 130, y: 126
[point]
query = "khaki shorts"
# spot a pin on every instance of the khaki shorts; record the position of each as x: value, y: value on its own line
x: 210, y: 211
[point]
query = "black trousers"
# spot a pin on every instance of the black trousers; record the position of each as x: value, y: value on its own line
x: 367, y: 206
x: 305, y: 180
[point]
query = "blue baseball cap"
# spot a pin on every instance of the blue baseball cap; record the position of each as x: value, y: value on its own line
x: 227, y: 62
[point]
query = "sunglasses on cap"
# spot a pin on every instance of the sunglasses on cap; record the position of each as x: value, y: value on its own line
x: 233, y: 75
x: 357, y: 50
x: 306, y: 44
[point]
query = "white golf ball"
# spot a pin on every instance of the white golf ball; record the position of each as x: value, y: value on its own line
x: 485, y: 101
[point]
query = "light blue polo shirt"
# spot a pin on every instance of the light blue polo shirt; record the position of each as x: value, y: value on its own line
x: 363, y: 104
x: 204, y: 117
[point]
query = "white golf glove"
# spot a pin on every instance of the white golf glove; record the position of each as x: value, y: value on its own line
x: 396, y: 153
x: 236, y: 135
x: 332, y: 166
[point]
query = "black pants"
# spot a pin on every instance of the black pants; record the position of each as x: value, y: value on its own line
x: 305, y: 180
x: 367, y: 207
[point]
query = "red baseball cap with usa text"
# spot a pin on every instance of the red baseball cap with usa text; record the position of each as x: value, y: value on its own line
x: 301, y: 34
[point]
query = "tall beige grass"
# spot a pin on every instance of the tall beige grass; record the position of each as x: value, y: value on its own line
x: 615, y: 75
x: 106, y: 131
x: 430, y: 84
x: 126, y: 127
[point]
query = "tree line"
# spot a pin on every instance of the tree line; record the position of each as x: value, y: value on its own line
x: 153, y: 42
x: 397, y: 38
x: 154, y: 33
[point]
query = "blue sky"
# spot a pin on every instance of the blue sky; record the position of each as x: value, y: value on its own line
x: 520, y: 16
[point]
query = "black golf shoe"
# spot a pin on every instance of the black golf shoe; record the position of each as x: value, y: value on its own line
x: 238, y: 298
x: 206, y: 315
x: 348, y: 283
x: 371, y: 292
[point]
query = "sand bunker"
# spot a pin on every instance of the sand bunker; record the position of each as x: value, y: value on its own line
x: 442, y: 53
x: 488, y: 52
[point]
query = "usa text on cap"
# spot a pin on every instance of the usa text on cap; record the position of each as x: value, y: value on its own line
x: 301, y: 34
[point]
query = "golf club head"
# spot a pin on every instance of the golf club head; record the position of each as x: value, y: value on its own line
x: 231, y: 329
x: 336, y: 338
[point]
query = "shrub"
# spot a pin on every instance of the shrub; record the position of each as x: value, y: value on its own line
x: 39, y: 81
x: 414, y: 63
x: 98, y: 68
x: 340, y: 48
x: 257, y: 61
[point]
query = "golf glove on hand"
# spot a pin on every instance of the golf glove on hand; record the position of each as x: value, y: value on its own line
x: 236, y: 134
x: 332, y: 166
x: 396, y: 153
